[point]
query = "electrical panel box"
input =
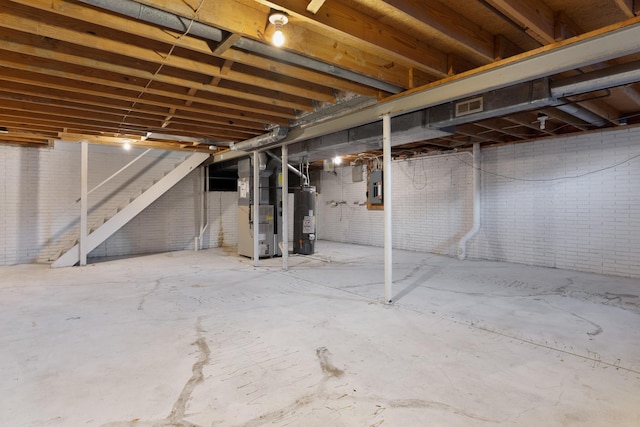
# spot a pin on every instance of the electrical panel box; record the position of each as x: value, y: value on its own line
x: 375, y: 188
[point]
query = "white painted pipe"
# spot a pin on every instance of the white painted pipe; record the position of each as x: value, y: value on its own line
x: 462, y: 246
x: 256, y: 209
x: 386, y: 197
x: 84, y: 176
x: 285, y: 210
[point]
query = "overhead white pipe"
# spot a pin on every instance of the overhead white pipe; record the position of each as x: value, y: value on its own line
x: 285, y: 210
x: 462, y: 246
x: 386, y: 197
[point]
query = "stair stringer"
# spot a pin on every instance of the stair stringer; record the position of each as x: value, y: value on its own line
x: 127, y: 213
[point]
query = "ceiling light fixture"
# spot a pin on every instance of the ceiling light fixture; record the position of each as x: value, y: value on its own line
x: 542, y: 118
x: 127, y: 144
x: 279, y: 20
x: 337, y: 160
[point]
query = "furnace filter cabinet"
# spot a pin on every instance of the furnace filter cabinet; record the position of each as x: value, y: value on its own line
x: 304, y: 220
x: 269, y: 216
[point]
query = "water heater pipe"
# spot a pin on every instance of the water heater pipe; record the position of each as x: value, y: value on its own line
x: 290, y: 167
x: 462, y: 246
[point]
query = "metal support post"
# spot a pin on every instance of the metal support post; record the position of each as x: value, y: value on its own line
x: 285, y: 208
x: 386, y: 197
x: 84, y: 175
x: 256, y: 209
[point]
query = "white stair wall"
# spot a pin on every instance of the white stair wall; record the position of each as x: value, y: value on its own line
x: 128, y: 212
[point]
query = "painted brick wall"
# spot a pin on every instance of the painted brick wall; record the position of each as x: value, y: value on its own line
x: 223, y: 220
x: 589, y: 221
x: 39, y: 213
x: 432, y: 205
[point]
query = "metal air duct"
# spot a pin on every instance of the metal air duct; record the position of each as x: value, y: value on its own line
x: 276, y: 134
x: 159, y: 17
x: 175, y: 22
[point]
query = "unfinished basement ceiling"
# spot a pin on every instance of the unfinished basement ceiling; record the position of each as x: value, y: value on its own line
x: 74, y: 71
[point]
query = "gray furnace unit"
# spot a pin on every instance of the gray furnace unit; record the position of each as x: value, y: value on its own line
x: 270, y: 210
x: 267, y: 239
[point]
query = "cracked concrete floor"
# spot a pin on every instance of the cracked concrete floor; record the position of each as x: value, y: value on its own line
x: 206, y: 339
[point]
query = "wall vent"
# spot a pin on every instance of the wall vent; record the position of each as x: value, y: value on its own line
x: 469, y: 106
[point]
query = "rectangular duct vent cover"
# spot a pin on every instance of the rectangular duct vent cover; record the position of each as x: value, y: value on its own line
x: 469, y: 106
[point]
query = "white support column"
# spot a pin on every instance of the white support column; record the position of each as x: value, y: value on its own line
x: 285, y: 208
x: 386, y: 197
x: 256, y: 209
x: 84, y: 175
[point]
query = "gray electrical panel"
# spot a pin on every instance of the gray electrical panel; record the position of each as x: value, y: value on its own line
x: 375, y: 188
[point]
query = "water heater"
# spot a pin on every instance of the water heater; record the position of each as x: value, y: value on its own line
x: 304, y: 220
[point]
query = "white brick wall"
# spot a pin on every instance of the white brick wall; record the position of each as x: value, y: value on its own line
x: 223, y: 220
x: 589, y: 223
x: 39, y: 188
x: 431, y: 206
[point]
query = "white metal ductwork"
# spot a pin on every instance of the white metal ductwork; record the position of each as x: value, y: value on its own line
x: 277, y: 134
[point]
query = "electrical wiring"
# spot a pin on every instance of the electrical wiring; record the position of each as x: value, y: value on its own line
x: 627, y: 160
x: 164, y: 61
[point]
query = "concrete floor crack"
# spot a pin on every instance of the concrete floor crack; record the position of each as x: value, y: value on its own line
x: 204, y: 353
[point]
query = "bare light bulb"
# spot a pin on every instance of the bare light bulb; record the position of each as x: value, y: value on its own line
x: 279, y: 20
x: 278, y: 38
x: 127, y: 146
x: 337, y: 160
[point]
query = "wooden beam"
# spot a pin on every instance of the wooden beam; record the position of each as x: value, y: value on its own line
x: 54, y: 79
x: 534, y: 16
x: 124, y: 105
x: 323, y: 79
x: 448, y: 24
x: 226, y: 44
x: 504, y: 48
x: 112, y: 86
x: 250, y: 19
x: 353, y: 27
x: 66, y: 53
x: 119, y: 141
x: 18, y: 18
x: 194, y: 44
x: 23, y: 102
x: 628, y: 7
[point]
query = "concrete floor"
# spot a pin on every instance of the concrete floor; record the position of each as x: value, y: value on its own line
x: 206, y: 339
